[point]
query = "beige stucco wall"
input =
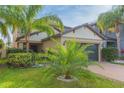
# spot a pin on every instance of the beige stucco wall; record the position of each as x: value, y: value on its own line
x: 84, y: 33
x: 50, y: 43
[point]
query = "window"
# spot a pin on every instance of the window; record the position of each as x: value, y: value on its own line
x: 111, y: 44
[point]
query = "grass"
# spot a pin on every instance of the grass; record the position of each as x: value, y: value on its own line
x: 3, y: 61
x: 37, y: 78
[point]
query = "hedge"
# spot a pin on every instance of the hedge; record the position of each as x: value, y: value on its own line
x: 24, y: 59
x: 109, y: 54
x: 39, y: 58
x: 20, y: 59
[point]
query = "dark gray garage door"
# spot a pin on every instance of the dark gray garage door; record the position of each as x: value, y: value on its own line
x: 93, y: 56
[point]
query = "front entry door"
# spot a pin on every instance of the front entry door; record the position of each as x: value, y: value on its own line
x: 34, y: 48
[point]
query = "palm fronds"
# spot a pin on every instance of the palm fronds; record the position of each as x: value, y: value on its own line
x: 3, y: 29
x: 68, y: 58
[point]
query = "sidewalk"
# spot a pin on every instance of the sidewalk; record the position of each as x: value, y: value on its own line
x: 109, y: 70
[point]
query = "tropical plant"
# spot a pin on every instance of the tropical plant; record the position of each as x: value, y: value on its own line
x: 43, y: 24
x: 12, y: 17
x: 68, y: 59
x: 4, y: 32
x: 109, y: 21
x: 24, y: 18
x: 3, y: 29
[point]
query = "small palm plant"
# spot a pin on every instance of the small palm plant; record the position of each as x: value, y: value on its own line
x: 68, y: 59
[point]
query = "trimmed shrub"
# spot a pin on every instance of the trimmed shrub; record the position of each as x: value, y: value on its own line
x: 15, y: 50
x: 38, y: 58
x: 109, y: 54
x: 20, y: 59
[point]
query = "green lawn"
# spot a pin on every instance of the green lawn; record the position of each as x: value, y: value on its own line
x: 37, y: 78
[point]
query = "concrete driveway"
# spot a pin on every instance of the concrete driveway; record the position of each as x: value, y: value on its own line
x: 113, y: 71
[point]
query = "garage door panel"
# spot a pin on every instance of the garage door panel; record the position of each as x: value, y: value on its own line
x: 94, y: 55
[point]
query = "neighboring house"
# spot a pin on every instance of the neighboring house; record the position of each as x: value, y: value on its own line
x: 84, y: 34
x: 110, y: 38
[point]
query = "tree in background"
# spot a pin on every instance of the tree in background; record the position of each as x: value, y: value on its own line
x: 12, y: 17
x: 43, y: 24
x: 109, y: 21
x: 3, y: 29
x: 3, y: 33
x: 23, y: 18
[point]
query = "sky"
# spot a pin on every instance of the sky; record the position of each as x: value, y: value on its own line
x: 73, y: 15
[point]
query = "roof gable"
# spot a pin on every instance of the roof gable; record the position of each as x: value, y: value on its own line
x: 40, y: 36
x: 85, y: 32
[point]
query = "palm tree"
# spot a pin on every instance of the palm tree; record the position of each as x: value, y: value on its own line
x: 3, y: 29
x: 23, y: 18
x: 3, y: 32
x: 67, y: 60
x: 110, y: 21
x: 43, y: 24
x: 12, y: 15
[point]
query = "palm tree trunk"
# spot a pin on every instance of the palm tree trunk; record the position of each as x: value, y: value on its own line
x: 15, y: 35
x: 27, y: 42
x: 118, y: 39
x: 67, y: 75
